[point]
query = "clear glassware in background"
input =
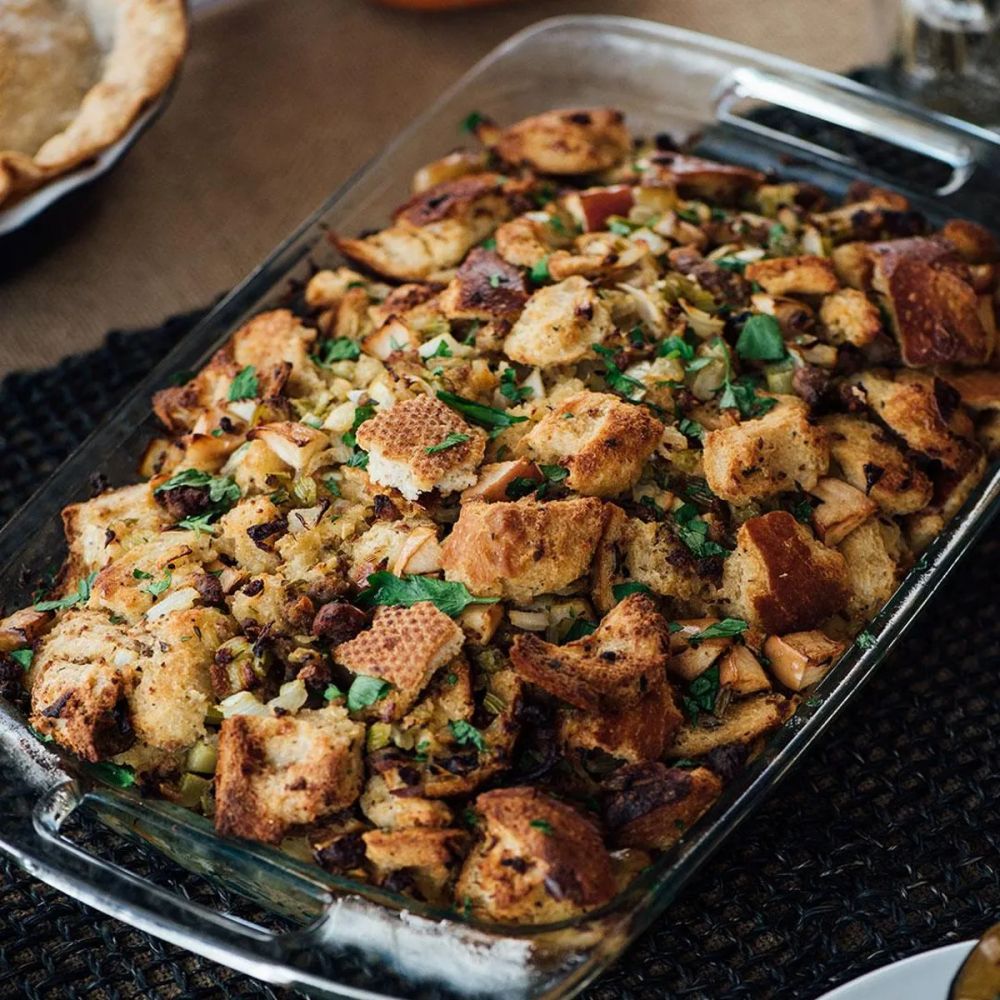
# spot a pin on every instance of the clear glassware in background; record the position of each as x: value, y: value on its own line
x: 948, y: 57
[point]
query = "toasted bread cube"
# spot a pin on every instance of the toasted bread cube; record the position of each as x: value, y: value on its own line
x: 616, y: 665
x: 401, y: 812
x: 708, y: 180
x: 559, y: 325
x: 83, y: 674
x: 909, y: 406
x: 780, y: 578
x: 639, y: 732
x: 872, y: 553
x: 495, y: 478
x: 651, y: 805
x: 741, y: 672
x: 745, y: 721
x: 853, y: 265
x: 980, y: 390
x: 801, y: 659
x: 871, y: 462
x: 434, y: 230
x: 603, y: 441
x: 484, y: 287
x: 248, y: 533
x: 404, y: 647
x: 951, y: 491
x: 850, y: 317
x: 459, y: 163
x: 277, y: 773
x: 429, y: 857
x: 173, y: 692
x: 421, y: 445
x: 22, y: 628
x: 539, y: 861
x: 272, y: 341
x: 567, y: 141
x: 101, y: 529
x: 523, y: 549
x: 927, y: 290
x: 296, y: 444
x: 655, y: 556
x: 842, y: 508
x: 258, y: 469
x: 975, y: 243
x: 779, y: 451
x: 803, y: 275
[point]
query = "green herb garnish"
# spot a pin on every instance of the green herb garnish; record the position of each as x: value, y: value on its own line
x: 761, y: 340
x: 540, y: 271
x: 690, y: 428
x: 365, y: 691
x: 542, y: 824
x: 693, y: 532
x: 23, y: 657
x: 341, y: 349
x: 622, y: 590
x: 157, y: 587
x: 332, y: 693
x: 478, y: 413
x: 579, y: 629
x: 676, y: 347
x: 724, y: 629
x: 617, y: 380
x: 509, y: 388
x: 404, y: 591
x: 81, y: 596
x: 245, y: 385
x: 449, y: 441
x: 361, y: 414
x: 467, y: 735
x: 702, y: 693
x: 472, y: 121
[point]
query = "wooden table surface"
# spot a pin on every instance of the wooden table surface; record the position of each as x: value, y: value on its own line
x: 277, y: 104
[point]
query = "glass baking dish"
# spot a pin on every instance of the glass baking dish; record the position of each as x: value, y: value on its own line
x: 353, y: 940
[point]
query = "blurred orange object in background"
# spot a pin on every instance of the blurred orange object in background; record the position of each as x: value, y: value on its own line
x: 439, y: 4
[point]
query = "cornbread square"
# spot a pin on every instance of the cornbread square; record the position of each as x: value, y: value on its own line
x: 398, y: 440
x: 404, y: 647
x: 275, y: 773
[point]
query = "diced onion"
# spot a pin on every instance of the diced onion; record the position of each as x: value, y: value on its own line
x: 530, y: 621
x: 242, y: 703
x: 176, y: 600
x: 291, y: 696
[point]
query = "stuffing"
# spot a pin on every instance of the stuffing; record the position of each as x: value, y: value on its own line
x: 522, y: 549
x: 456, y: 164
x: 603, y: 441
x: 979, y: 390
x: 840, y: 510
x: 408, y: 545
x: 617, y: 665
x: 401, y: 812
x: 271, y: 342
x: 569, y: 141
x: 434, y: 230
x: 744, y: 722
x: 295, y: 444
x: 277, y: 773
x: 249, y: 532
x: 484, y: 287
x: 872, y: 553
x: 694, y: 177
x: 871, y: 462
x: 652, y: 805
x: 800, y: 659
x: 496, y: 478
x: 539, y: 861
x: 559, y: 325
x: 655, y: 556
x: 974, y: 243
x: 780, y: 578
x: 927, y: 291
x: 421, y: 445
x: 850, y: 317
x: 777, y: 452
x: 423, y: 859
x: 793, y: 275
x: 592, y: 207
x: 404, y: 647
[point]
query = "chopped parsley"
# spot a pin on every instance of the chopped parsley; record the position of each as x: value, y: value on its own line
x: 724, y: 629
x: 113, y: 774
x: 449, y: 441
x: 332, y: 485
x: 23, y: 657
x: 690, y: 428
x: 542, y: 824
x: 540, y: 271
x: 702, y: 693
x: 619, y: 227
x: 341, y: 349
x: 81, y: 596
x: 693, y: 532
x: 361, y: 414
x: 245, y: 385
x: 617, y: 380
x: 802, y: 511
x: 742, y: 395
x: 689, y: 215
x: 865, y: 639
x: 478, y: 413
x: 332, y: 693
x: 579, y: 630
x: 467, y: 735
x: 490, y: 243
x: 156, y: 587
x: 622, y: 590
x: 223, y: 494
x: 365, y: 691
x: 359, y: 460
x: 676, y: 347
x: 509, y: 388
x: 441, y: 351
x: 730, y: 264
x: 521, y: 486
x: 472, y: 121
x: 761, y: 340
x: 404, y: 591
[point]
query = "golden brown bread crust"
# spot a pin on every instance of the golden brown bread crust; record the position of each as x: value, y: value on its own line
x: 603, y: 442
x: 745, y: 721
x: 568, y: 141
x: 805, y: 275
x: 697, y: 178
x: 539, y: 861
x: 780, y: 578
x: 522, y: 549
x: 485, y: 286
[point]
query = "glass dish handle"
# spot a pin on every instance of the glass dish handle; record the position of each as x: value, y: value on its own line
x: 859, y: 109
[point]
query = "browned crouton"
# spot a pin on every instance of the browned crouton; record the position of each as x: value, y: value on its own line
x: 277, y: 773
x: 841, y: 509
x: 853, y: 265
x: 539, y: 861
x: 272, y: 342
x: 523, y: 549
x: 84, y: 672
x: 927, y: 290
x: 793, y: 275
x: 870, y: 461
x: 404, y: 647
x: 22, y: 628
x: 569, y: 141
x: 975, y: 243
x: 248, y: 534
x: 801, y: 659
x: 434, y: 230
x: 559, y: 325
x: 850, y: 317
x: 872, y: 553
x: 980, y: 390
x: 428, y: 858
x: 780, y: 578
x: 485, y: 286
x: 603, y: 442
x: 655, y: 556
x: 495, y: 479
x: 708, y: 180
x: 745, y: 721
x: 770, y: 454
x: 617, y: 664
x: 651, y: 805
x: 401, y: 812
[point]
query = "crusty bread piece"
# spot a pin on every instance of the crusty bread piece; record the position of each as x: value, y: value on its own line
x: 568, y: 141
x: 744, y: 721
x: 616, y: 665
x: 980, y: 389
x: 780, y: 578
x: 276, y: 773
x: 694, y: 177
x: 779, y: 451
x: 974, y: 243
x: 484, y: 287
x: 523, y: 549
x: 871, y: 462
x: 651, y: 805
x: 559, y: 325
x: 602, y: 440
x: 273, y: 340
x: 850, y: 317
x: 404, y: 647
x: 397, y: 442
x: 400, y: 812
x: 539, y: 861
x: 434, y: 229
x: 429, y: 857
x: 249, y: 532
x: 803, y: 275
x: 655, y: 556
